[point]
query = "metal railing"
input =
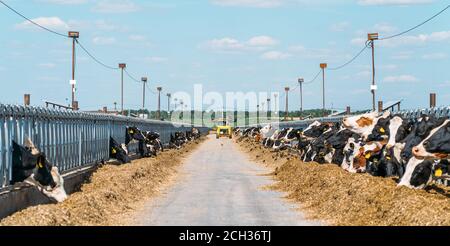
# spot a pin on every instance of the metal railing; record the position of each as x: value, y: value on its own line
x: 70, y: 140
x: 408, y: 114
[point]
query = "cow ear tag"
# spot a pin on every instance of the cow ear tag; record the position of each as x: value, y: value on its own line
x: 382, y: 130
x: 40, y: 165
x: 368, y: 156
x: 438, y: 173
x: 114, y: 151
x: 388, y: 158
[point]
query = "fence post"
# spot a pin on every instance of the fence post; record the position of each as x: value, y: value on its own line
x: 26, y: 100
x: 380, y: 106
x: 433, y: 100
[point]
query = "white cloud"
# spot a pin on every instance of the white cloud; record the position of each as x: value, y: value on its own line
x: 400, y: 78
x: 115, y: 6
x: 54, y: 23
x: 228, y: 44
x: 103, y: 40
x: 435, y: 56
x: 384, y: 28
x: 410, y: 40
x: 340, y: 26
x: 420, y: 39
x: 394, y: 2
x: 262, y: 41
x: 225, y: 44
x: 249, y: 3
x: 275, y: 55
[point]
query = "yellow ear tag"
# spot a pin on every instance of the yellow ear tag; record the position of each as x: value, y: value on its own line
x: 388, y: 158
x: 114, y: 151
x: 438, y: 173
x: 382, y: 130
x: 131, y: 131
x: 40, y: 165
x: 368, y: 155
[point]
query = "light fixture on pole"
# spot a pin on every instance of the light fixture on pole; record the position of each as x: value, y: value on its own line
x: 286, y: 114
x: 301, y: 81
x: 159, y: 103
x: 73, y: 82
x: 323, y: 66
x: 371, y: 37
x: 122, y: 66
x: 168, y: 102
x: 144, y: 83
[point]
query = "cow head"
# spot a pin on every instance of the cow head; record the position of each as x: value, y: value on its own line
x: 381, y: 130
x: 364, y: 124
x: 418, y: 174
x: 118, y: 151
x: 436, y: 145
x: 419, y: 132
x: 133, y: 133
x: 44, y: 172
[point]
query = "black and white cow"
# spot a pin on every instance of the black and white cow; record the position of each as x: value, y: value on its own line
x: 31, y: 166
x: 118, y: 152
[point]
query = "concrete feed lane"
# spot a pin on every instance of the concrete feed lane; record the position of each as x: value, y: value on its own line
x: 221, y: 187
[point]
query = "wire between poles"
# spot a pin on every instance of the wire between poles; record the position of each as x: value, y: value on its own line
x: 350, y: 61
x: 94, y: 58
x: 417, y: 26
x: 33, y: 22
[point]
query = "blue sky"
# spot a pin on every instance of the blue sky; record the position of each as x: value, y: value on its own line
x: 226, y: 45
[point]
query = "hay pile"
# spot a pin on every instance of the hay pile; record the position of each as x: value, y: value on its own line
x: 113, y: 192
x: 329, y: 193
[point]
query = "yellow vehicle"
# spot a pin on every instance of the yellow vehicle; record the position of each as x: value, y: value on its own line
x: 224, y: 131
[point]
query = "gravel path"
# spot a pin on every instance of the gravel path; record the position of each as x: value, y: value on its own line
x: 219, y: 186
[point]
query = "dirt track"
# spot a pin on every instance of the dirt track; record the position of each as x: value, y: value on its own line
x: 219, y: 186
x: 328, y: 192
x: 113, y: 193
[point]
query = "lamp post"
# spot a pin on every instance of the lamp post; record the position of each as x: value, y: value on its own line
x: 73, y: 82
x: 122, y: 66
x: 286, y: 115
x: 323, y: 66
x: 168, y: 104
x: 301, y: 81
x: 159, y: 103
x: 371, y: 40
x: 144, y: 82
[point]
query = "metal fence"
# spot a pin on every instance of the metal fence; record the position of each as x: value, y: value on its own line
x: 408, y: 114
x: 70, y: 140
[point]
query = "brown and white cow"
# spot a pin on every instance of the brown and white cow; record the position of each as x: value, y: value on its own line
x: 364, y: 124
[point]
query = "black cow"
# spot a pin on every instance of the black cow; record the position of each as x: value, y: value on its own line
x: 118, y: 152
x: 133, y: 133
x: 436, y: 145
x: 26, y: 164
x: 31, y: 166
x: 338, y: 142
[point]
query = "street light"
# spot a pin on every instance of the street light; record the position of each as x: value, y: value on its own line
x: 323, y: 66
x: 287, y: 103
x: 159, y: 103
x: 301, y: 81
x: 371, y: 37
x: 122, y: 66
x: 73, y: 82
x: 144, y: 82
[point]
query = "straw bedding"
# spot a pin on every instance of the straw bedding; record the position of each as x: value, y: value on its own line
x: 328, y: 193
